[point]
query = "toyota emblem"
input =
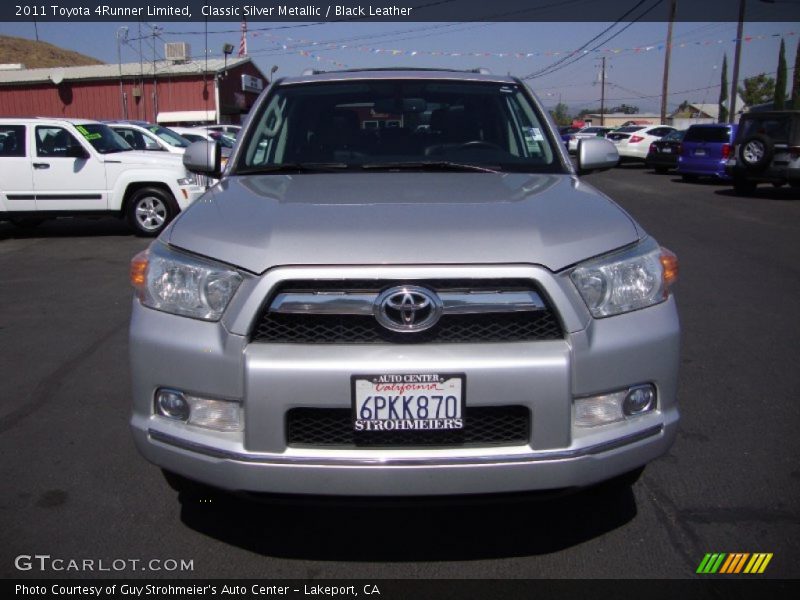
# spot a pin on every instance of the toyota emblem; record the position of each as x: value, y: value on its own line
x: 407, y: 308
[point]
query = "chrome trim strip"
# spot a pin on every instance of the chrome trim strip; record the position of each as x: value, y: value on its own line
x: 408, y: 462
x: 459, y: 303
x: 323, y: 303
x: 454, y: 303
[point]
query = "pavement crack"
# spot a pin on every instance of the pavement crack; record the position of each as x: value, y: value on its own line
x: 682, y: 537
x: 43, y: 392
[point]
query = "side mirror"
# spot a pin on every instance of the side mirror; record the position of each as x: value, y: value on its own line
x: 203, y: 158
x: 595, y: 154
x: 76, y: 152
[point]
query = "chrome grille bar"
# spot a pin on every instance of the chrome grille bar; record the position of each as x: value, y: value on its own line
x: 359, y: 303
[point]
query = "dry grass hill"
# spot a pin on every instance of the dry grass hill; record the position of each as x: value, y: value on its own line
x: 35, y: 55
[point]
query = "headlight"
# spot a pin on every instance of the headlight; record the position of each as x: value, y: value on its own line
x: 628, y: 280
x: 187, y: 181
x: 178, y: 283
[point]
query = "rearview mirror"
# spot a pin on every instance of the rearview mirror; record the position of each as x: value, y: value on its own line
x: 596, y: 154
x: 203, y: 158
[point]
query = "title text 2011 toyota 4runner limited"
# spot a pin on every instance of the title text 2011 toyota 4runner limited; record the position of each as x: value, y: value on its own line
x: 401, y: 287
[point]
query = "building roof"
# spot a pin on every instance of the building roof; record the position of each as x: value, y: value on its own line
x: 709, y: 109
x: 112, y: 71
x: 631, y: 117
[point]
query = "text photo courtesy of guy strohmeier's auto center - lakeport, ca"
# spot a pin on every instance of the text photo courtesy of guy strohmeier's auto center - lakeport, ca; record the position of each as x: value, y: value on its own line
x: 282, y: 280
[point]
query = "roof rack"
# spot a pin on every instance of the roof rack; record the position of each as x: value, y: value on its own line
x: 479, y: 70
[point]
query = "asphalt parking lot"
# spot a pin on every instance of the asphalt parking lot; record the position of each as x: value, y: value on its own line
x: 74, y: 487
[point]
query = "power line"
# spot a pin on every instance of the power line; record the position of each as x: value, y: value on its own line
x: 558, y: 65
x: 552, y: 67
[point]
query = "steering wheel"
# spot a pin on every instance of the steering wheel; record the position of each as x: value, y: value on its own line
x: 479, y: 144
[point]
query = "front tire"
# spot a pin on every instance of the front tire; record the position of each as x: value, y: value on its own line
x: 150, y: 210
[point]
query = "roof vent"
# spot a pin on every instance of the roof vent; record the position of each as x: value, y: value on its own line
x: 177, y: 51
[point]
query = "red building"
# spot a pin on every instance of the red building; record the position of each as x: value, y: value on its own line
x: 180, y: 92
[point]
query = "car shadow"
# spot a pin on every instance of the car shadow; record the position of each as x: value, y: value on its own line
x: 765, y: 192
x: 703, y: 181
x: 441, y: 529
x: 67, y: 227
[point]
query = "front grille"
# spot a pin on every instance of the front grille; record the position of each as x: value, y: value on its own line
x: 483, y: 426
x: 272, y: 327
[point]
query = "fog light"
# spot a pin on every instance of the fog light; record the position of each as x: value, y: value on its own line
x: 172, y: 404
x: 592, y: 411
x: 639, y: 400
x: 220, y: 415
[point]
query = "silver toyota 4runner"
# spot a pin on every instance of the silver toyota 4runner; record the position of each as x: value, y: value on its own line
x: 400, y: 287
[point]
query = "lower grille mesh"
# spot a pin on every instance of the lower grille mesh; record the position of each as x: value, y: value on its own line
x: 484, y: 426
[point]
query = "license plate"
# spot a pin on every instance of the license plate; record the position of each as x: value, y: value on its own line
x: 408, y: 401
x: 666, y: 150
x: 699, y: 152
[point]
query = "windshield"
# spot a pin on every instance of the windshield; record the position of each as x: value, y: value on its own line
x: 674, y: 136
x: 169, y: 136
x: 103, y: 138
x: 400, y: 124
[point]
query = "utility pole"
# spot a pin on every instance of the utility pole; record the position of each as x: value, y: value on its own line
x: 603, y: 93
x: 737, y: 57
x: 667, y: 53
x: 155, y: 33
x: 141, y: 75
x: 122, y: 34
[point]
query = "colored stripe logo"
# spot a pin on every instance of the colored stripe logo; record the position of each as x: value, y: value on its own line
x: 734, y: 563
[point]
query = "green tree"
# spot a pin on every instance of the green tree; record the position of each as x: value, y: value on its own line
x: 796, y: 80
x: 561, y: 114
x: 780, y: 81
x: 757, y: 89
x: 723, y: 91
x: 625, y: 109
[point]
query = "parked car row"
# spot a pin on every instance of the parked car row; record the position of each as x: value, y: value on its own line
x: 134, y: 170
x: 763, y: 148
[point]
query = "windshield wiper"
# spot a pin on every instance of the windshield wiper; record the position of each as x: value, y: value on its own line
x: 432, y: 165
x: 294, y: 168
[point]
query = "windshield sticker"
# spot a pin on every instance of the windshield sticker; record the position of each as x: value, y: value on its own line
x: 536, y: 134
x: 87, y: 134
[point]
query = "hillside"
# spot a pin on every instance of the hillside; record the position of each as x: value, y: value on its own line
x: 35, y: 55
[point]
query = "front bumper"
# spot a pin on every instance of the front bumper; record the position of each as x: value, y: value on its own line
x: 215, y: 359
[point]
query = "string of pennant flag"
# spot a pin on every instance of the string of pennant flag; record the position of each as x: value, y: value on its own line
x: 291, y: 45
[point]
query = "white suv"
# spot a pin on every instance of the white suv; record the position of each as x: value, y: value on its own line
x: 68, y: 167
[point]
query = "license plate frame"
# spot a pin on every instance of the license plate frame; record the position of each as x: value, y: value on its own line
x: 402, y: 407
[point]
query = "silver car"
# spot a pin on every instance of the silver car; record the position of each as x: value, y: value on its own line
x: 400, y: 287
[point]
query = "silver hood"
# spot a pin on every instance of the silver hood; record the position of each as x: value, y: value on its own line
x: 261, y: 221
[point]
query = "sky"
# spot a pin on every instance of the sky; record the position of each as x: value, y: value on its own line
x: 634, y: 61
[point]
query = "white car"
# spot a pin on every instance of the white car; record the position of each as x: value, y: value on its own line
x: 142, y: 135
x: 633, y: 141
x: 75, y: 167
x: 582, y: 134
x: 208, y: 133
